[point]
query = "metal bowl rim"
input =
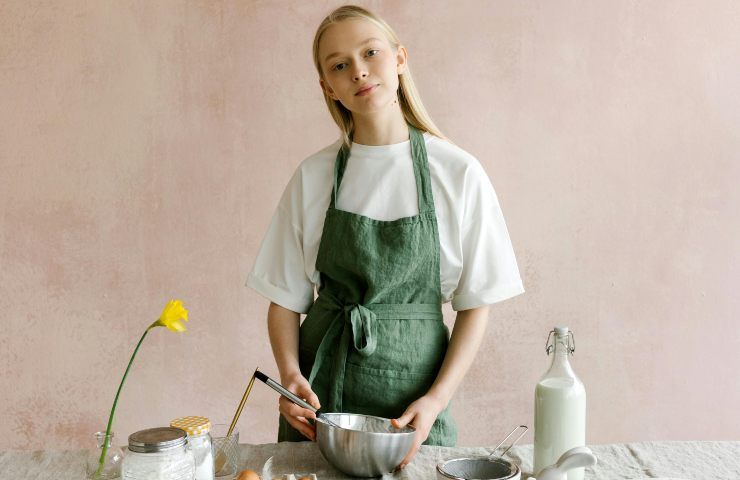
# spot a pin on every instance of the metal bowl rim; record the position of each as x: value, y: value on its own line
x: 412, y: 432
x: 440, y: 468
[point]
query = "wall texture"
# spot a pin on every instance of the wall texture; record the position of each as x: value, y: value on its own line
x: 144, y: 146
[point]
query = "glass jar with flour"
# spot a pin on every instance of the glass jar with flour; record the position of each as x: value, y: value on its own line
x: 199, y: 438
x: 162, y: 453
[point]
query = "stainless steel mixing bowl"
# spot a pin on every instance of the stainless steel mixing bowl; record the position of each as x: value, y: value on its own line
x: 363, y: 445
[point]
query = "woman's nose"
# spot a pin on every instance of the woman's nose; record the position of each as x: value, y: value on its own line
x: 360, y: 72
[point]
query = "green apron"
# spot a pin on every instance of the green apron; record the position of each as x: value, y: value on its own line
x: 374, y: 339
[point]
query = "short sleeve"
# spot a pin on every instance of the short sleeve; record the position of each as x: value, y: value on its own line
x: 490, y: 273
x: 278, y: 273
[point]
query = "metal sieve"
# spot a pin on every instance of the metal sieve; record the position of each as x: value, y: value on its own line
x: 493, y: 467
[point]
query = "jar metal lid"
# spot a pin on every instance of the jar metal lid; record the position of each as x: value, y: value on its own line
x: 157, y: 439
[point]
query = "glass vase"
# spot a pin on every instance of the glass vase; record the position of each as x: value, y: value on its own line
x: 111, y: 463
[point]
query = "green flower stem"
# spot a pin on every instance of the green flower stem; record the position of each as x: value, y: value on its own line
x: 115, y: 402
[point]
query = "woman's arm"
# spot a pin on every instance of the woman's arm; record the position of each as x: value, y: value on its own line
x: 282, y: 326
x: 464, y: 343
x: 467, y: 334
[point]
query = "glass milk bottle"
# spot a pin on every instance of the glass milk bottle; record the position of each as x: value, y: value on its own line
x: 559, y: 406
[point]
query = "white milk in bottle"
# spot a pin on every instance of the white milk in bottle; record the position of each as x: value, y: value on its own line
x: 559, y: 407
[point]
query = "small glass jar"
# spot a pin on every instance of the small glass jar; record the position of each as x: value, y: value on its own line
x: 159, y: 453
x: 111, y: 462
x: 199, y: 439
x: 203, y: 453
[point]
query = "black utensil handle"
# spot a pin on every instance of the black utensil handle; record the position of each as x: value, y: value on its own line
x: 283, y: 391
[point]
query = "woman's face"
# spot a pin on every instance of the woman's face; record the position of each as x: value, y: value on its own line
x: 360, y: 66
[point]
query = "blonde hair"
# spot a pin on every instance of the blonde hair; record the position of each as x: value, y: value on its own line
x: 408, y: 96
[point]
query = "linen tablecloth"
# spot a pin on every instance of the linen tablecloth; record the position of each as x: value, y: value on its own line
x: 664, y: 460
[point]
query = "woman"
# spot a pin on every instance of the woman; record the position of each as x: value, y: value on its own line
x: 388, y: 223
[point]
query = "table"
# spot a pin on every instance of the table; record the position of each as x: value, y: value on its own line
x: 664, y: 460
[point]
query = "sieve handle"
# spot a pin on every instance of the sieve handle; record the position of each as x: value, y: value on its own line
x: 524, y: 430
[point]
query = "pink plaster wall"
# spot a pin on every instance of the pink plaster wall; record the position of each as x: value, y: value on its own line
x: 144, y: 145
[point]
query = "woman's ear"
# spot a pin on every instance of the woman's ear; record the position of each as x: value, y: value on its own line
x: 327, y: 89
x: 401, y: 59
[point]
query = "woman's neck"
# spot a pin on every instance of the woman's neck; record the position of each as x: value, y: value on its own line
x: 381, y: 128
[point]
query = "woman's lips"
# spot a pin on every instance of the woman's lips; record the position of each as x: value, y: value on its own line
x: 366, y: 91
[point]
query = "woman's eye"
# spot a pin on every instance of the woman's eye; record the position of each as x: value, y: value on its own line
x: 342, y: 66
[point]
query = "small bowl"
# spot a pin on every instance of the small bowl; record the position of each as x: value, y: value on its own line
x: 363, y: 445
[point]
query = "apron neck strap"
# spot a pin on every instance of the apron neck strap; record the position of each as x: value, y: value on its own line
x: 421, y: 171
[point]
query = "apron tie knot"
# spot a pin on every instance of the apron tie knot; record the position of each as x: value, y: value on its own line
x: 364, y: 328
x: 354, y: 325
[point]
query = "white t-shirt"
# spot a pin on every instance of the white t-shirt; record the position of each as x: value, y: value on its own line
x: 477, y: 262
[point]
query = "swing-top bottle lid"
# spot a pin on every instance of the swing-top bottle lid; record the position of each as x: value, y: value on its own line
x: 561, y: 330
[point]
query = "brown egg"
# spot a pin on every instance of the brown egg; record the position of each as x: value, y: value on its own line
x: 247, y: 475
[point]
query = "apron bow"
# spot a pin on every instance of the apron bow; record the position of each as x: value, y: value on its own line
x: 364, y: 328
x: 356, y: 326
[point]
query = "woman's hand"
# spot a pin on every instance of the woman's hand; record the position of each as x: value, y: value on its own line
x: 297, y: 416
x: 421, y: 414
x: 464, y: 342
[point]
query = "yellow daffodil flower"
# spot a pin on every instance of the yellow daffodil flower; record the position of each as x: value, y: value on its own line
x: 172, y: 317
